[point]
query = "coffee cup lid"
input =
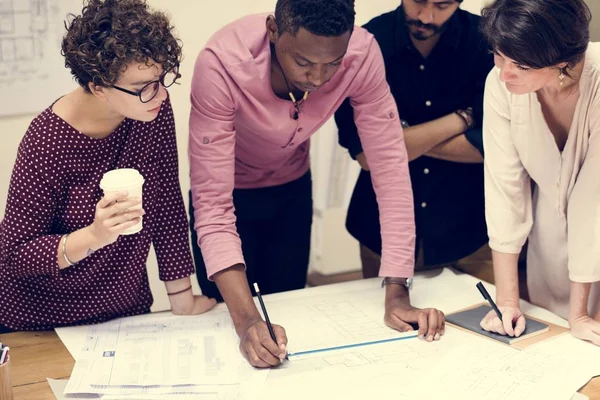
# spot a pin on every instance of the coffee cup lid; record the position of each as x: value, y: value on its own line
x: 121, y: 178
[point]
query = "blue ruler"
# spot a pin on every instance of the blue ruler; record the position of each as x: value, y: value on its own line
x: 350, y: 346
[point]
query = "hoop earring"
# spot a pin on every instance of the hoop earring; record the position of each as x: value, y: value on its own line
x: 561, y: 77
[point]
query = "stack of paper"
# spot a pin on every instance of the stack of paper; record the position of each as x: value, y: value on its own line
x: 151, y: 356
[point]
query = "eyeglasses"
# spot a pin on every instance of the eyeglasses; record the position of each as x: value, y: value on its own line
x: 150, y: 90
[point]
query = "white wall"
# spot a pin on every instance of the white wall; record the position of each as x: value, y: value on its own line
x: 594, y: 6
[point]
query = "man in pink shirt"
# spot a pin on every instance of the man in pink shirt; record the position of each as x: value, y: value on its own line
x: 262, y: 86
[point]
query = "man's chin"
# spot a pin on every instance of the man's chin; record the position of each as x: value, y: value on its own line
x: 421, y: 36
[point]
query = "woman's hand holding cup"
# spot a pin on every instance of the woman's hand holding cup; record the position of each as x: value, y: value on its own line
x: 115, y: 213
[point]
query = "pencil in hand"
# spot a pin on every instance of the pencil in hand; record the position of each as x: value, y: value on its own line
x: 487, y: 296
x: 264, y: 311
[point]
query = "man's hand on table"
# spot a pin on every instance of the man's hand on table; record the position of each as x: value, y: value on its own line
x: 399, y: 315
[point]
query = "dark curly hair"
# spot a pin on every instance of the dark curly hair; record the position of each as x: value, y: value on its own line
x: 538, y: 33
x: 319, y: 17
x: 110, y: 34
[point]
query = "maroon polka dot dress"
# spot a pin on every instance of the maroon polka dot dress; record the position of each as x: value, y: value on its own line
x: 54, y: 190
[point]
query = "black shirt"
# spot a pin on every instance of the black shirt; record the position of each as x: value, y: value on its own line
x: 449, y: 198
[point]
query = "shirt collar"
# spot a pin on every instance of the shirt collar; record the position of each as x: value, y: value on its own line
x: 451, y: 37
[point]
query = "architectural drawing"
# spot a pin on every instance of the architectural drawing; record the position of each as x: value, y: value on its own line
x: 349, y: 321
x: 30, y: 60
x: 143, y: 351
x: 23, y: 34
x: 403, y: 352
x: 332, y: 320
x: 357, y: 373
x: 494, y: 372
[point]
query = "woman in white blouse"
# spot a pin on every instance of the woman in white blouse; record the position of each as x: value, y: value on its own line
x: 542, y: 161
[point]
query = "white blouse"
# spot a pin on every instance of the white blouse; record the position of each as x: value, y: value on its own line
x: 533, y: 191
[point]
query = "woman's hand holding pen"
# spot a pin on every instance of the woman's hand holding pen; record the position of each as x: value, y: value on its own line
x: 257, y: 346
x: 506, y: 317
x: 512, y: 324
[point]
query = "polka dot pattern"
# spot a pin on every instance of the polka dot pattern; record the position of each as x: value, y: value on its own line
x: 54, y: 190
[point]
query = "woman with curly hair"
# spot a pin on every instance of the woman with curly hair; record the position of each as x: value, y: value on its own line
x: 63, y: 258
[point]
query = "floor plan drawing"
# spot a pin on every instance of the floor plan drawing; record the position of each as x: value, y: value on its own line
x: 23, y: 33
x: 501, y: 373
x: 349, y: 321
x: 30, y: 53
x: 174, y: 351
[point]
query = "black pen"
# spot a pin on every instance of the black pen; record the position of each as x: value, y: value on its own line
x: 267, y: 320
x: 487, y: 296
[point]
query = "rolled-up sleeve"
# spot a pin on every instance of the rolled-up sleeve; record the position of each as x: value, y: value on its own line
x: 378, y: 124
x: 508, y: 202
x: 347, y: 131
x: 212, y: 163
x: 583, y: 214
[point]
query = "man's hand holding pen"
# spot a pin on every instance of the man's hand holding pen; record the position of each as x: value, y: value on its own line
x: 257, y: 346
x: 262, y: 343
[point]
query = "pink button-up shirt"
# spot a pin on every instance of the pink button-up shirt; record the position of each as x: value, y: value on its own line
x: 243, y: 136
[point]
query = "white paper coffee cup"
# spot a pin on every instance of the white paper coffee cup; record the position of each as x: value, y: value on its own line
x: 124, y: 179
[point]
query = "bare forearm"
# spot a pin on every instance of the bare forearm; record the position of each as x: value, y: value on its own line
x: 233, y: 285
x: 456, y: 149
x: 506, y: 276
x: 181, y: 295
x: 79, y: 245
x: 421, y: 138
x: 578, y: 305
